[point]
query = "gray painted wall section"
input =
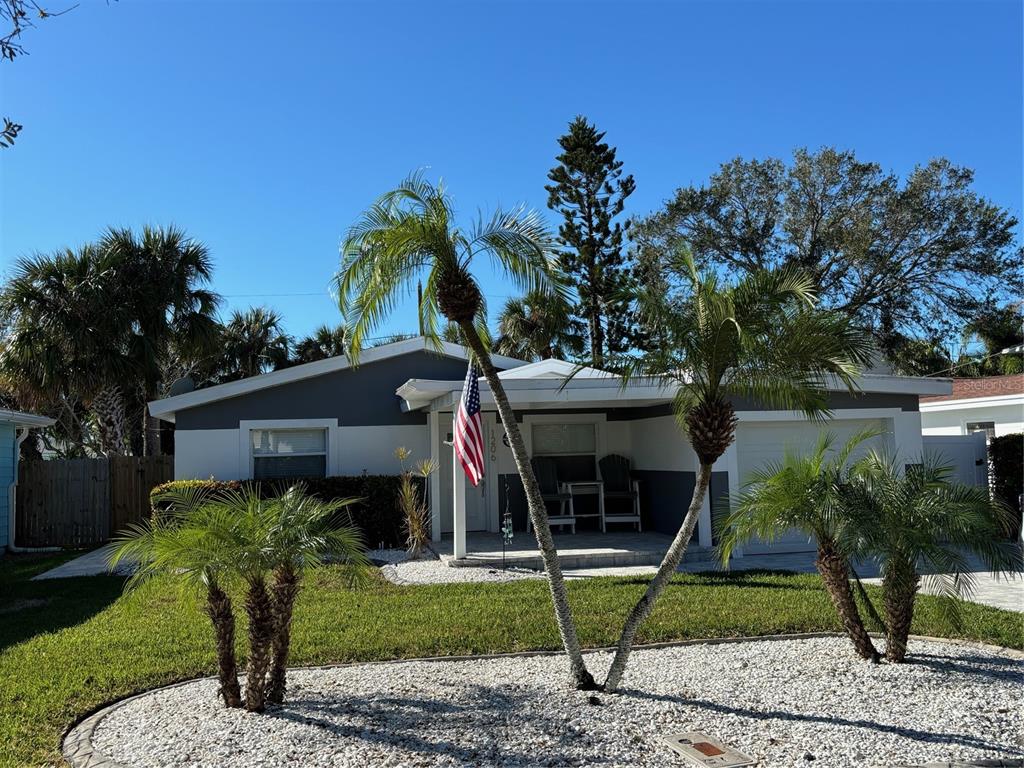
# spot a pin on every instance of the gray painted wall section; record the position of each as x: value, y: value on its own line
x: 357, y: 397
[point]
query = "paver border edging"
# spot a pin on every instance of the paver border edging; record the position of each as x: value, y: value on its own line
x: 79, y: 751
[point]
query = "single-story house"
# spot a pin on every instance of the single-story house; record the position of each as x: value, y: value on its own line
x: 14, y: 427
x: 328, y: 418
x: 992, y: 404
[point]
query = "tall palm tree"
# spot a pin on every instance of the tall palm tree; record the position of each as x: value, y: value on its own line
x: 67, y: 345
x: 806, y: 492
x: 410, y: 233
x: 920, y: 525
x: 253, y: 342
x: 303, y: 533
x: 198, y: 542
x: 162, y: 276
x: 539, y: 326
x: 761, y: 339
x: 324, y: 342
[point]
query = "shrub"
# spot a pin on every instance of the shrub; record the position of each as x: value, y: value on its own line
x: 1006, y: 458
x: 376, y: 514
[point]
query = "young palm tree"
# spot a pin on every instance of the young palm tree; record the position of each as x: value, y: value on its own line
x: 409, y: 233
x: 253, y: 342
x: 918, y: 524
x: 303, y: 533
x: 198, y: 542
x: 806, y: 492
x: 760, y: 339
x: 161, y: 276
x: 539, y: 326
x: 325, y: 342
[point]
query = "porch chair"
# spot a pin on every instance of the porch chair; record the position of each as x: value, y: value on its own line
x: 550, y: 490
x: 619, y: 485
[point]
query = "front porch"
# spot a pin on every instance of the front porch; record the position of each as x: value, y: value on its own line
x: 586, y: 549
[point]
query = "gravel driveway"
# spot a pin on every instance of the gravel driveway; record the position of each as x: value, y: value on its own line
x: 785, y: 702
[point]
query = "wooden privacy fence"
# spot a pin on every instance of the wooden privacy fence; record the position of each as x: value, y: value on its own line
x: 82, y: 502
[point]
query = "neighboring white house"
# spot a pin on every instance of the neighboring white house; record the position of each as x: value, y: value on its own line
x: 993, y: 405
x: 328, y: 418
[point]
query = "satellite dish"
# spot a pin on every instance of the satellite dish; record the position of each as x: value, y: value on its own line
x: 181, y: 386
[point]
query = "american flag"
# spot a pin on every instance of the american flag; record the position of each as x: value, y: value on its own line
x: 469, y: 432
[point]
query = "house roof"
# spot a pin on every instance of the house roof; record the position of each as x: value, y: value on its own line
x: 22, y: 419
x: 167, y: 407
x: 547, y: 385
x: 985, y: 388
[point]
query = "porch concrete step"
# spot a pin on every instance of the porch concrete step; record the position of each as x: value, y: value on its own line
x: 574, y: 559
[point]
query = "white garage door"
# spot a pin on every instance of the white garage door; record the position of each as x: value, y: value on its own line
x: 758, y: 444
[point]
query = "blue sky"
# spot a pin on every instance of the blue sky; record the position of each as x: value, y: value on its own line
x: 265, y: 128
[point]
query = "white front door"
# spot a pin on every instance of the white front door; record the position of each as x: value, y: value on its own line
x: 476, y: 498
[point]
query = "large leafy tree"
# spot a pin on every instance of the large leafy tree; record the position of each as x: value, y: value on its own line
x: 918, y: 257
x: 806, y: 492
x: 410, y: 233
x: 66, y: 348
x: 761, y: 338
x: 162, y: 277
x: 539, y: 326
x: 589, y: 191
x: 919, y: 525
x: 253, y: 342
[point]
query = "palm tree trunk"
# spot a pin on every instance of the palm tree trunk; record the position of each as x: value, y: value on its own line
x: 899, y: 592
x: 108, y: 409
x: 581, y: 677
x: 835, y: 573
x: 285, y: 590
x: 668, y: 566
x: 259, y: 608
x: 218, y: 608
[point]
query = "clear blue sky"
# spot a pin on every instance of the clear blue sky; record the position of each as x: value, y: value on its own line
x: 265, y: 128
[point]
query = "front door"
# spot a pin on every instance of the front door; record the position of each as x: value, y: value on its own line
x: 476, y: 498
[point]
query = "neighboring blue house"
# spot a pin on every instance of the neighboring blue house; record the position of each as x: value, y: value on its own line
x: 13, y: 425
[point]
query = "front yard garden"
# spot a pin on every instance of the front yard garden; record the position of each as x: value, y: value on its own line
x: 68, y: 646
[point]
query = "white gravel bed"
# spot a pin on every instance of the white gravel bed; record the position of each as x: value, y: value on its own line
x: 785, y: 703
x: 437, y: 572
x: 387, y: 555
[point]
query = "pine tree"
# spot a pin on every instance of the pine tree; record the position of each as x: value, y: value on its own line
x: 588, y: 189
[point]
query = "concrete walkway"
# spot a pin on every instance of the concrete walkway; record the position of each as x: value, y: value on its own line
x: 91, y: 564
x: 989, y: 589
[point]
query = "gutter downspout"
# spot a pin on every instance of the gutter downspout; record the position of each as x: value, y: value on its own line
x: 12, y: 498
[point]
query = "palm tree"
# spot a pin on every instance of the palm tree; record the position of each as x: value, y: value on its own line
x: 410, y: 232
x: 198, y: 542
x: 253, y: 342
x: 161, y: 277
x: 303, y: 533
x: 323, y: 343
x: 760, y: 339
x: 806, y: 492
x: 67, y: 346
x: 918, y: 524
x: 539, y: 326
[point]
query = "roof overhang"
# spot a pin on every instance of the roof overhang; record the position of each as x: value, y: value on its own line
x: 930, y: 406
x: 22, y: 419
x: 606, y: 391
x: 167, y: 408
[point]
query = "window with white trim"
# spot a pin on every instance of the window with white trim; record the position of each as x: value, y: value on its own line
x: 564, y: 439
x: 279, y: 453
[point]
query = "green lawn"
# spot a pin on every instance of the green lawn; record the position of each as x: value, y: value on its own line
x: 68, y: 646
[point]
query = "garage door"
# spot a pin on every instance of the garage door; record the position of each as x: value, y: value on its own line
x: 758, y: 444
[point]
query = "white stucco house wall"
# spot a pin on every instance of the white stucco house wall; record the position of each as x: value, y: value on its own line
x: 993, y: 405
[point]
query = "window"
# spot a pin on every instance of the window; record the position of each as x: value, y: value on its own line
x: 564, y: 439
x: 278, y: 453
x: 988, y: 427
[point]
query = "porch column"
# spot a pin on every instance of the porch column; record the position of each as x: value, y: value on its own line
x: 729, y: 462
x: 434, y: 427
x: 459, y: 507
